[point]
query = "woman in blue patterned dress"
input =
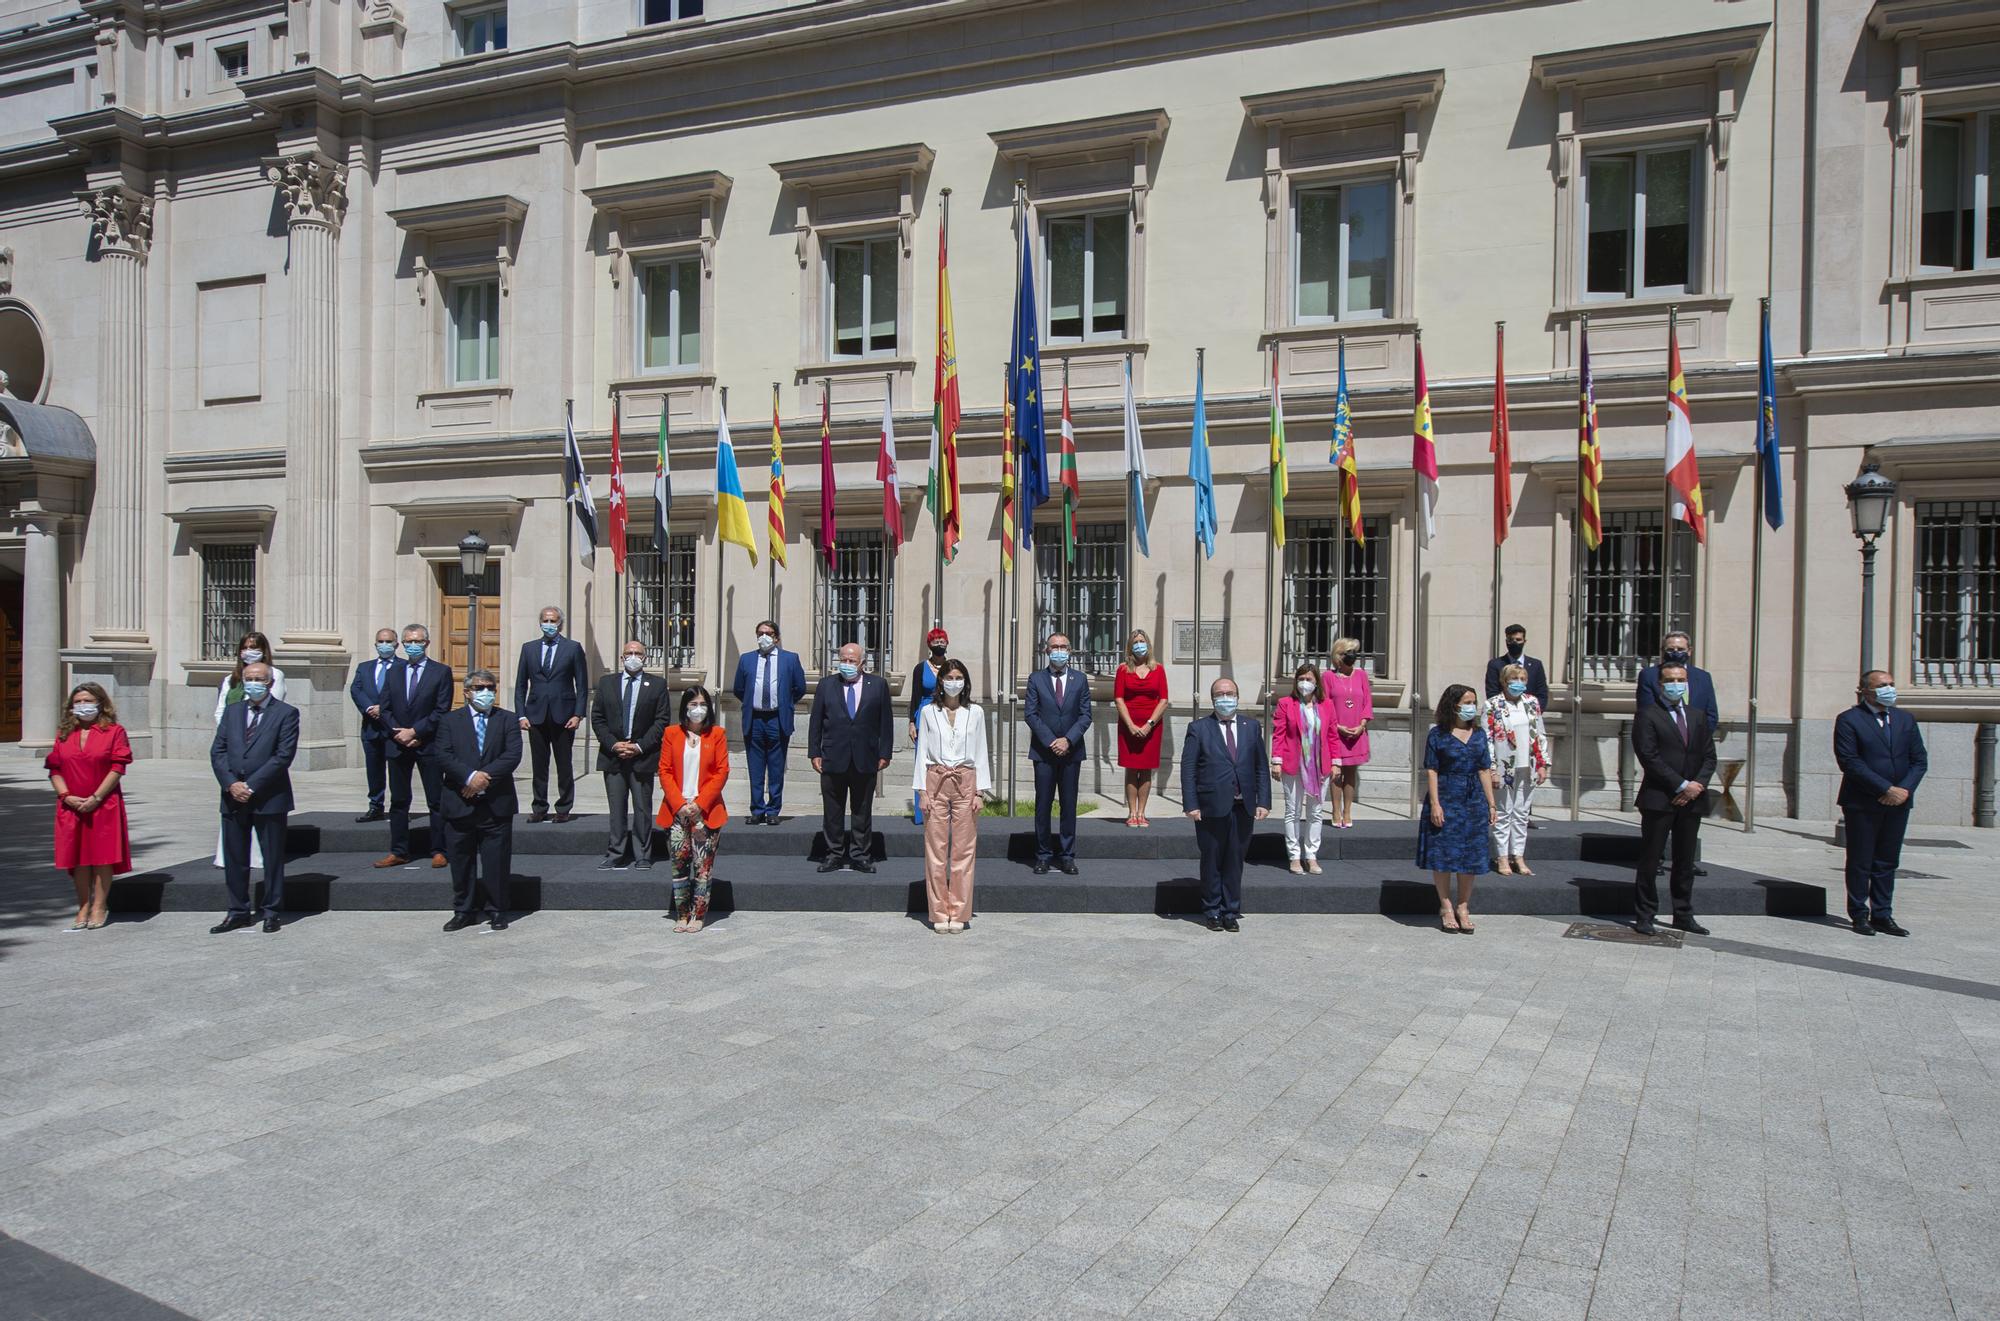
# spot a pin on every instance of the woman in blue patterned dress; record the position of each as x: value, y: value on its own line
x: 1458, y: 797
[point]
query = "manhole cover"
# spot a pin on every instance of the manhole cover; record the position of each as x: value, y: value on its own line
x: 1619, y: 934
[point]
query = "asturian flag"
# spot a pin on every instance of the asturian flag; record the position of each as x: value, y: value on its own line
x: 576, y: 490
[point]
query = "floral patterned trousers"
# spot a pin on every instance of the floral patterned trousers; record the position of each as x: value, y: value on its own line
x: 693, y: 861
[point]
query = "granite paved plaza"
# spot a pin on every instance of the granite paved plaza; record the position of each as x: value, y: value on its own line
x: 1052, y: 1116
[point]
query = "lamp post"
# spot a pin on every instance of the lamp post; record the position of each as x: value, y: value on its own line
x: 472, y: 565
x: 1869, y: 496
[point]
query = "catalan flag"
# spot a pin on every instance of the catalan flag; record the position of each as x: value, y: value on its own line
x: 1280, y: 479
x: 775, y: 535
x: 942, y: 491
x: 1424, y: 455
x: 732, y: 515
x: 1007, y: 484
x: 1683, y: 473
x: 1589, y: 455
x: 1343, y: 456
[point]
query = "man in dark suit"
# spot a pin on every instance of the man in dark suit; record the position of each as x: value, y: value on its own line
x: 629, y: 716
x: 1675, y: 746
x: 477, y: 750
x: 1058, y: 716
x: 769, y: 684
x: 1881, y: 756
x: 252, y: 758
x: 551, y: 689
x: 850, y: 737
x: 1675, y: 649
x: 418, y: 696
x: 1517, y: 654
x: 370, y: 676
x: 1226, y: 791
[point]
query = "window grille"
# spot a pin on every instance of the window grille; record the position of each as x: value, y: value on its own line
x: 1312, y: 547
x: 228, y: 597
x: 1958, y: 593
x: 1084, y: 599
x: 857, y: 601
x: 1621, y: 593
x: 660, y: 610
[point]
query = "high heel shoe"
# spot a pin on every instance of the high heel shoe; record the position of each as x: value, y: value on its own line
x: 1465, y: 920
x: 1448, y: 917
x: 1521, y: 867
x: 1503, y: 866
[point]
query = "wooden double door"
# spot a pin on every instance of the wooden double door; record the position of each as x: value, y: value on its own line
x: 455, y: 649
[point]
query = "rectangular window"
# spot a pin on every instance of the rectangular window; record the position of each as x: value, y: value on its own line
x: 1622, y: 580
x: 1321, y: 606
x: 473, y: 331
x: 1343, y: 244
x: 1088, y: 276
x: 666, y: 11
x: 861, y: 279
x: 661, y: 606
x: 228, y: 597
x: 481, y: 30
x: 1960, y: 228
x: 1958, y: 593
x: 857, y: 600
x: 1084, y: 598
x: 1639, y: 223
x: 233, y: 61
x: 669, y: 315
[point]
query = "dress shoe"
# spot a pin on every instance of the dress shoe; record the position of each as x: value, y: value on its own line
x: 643, y: 864
x: 1887, y: 926
x: 1215, y: 924
x: 560, y: 817
x: 497, y: 922
x: 609, y: 864
x: 832, y: 864
x: 1066, y: 867
x: 1700, y: 870
x: 460, y: 921
x: 372, y: 814
x: 1689, y: 925
x: 1645, y: 926
x: 393, y: 860
x: 536, y: 817
x: 861, y: 865
x: 1041, y: 869
x: 1862, y: 927
x: 439, y: 860
x: 271, y: 923
x: 1231, y: 924
x: 234, y: 922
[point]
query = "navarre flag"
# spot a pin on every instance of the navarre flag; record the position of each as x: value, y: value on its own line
x: 1589, y: 455
x: 732, y: 515
x: 1135, y: 462
x: 1200, y: 472
x: 1767, y: 430
x: 1502, y: 443
x: 576, y: 490
x: 617, y: 501
x: 826, y: 533
x: 1424, y: 455
x: 1343, y: 457
x: 1072, y: 488
x: 663, y: 490
x: 1280, y: 478
x: 892, y: 482
x: 1026, y: 393
x: 1683, y: 473
x: 941, y: 492
x: 774, y: 535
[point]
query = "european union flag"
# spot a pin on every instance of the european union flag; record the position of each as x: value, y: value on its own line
x: 1026, y: 371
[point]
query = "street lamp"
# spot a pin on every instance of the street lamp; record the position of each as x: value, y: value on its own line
x: 1869, y: 496
x: 472, y: 566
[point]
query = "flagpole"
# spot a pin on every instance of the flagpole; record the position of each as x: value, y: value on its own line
x: 569, y: 520
x: 715, y: 676
x: 771, y: 561
x: 1576, y: 617
x: 937, y: 405
x: 1667, y: 496
x: 618, y: 555
x: 1499, y: 386
x: 1066, y: 564
x: 1194, y: 695
x: 1274, y: 601
x: 1417, y: 621
x: 1125, y: 587
x: 1340, y: 524
x: 1756, y: 582
x: 1009, y: 643
x: 1014, y: 550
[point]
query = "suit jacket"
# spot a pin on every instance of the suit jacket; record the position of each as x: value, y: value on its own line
x: 1049, y: 721
x: 364, y: 694
x: 1701, y: 693
x: 1288, y: 736
x: 264, y: 762
x: 457, y: 754
x: 420, y: 710
x: 1209, y: 781
x: 1538, y: 676
x: 1667, y: 762
x: 860, y: 743
x: 555, y: 693
x: 791, y: 685
x: 651, y: 712
x: 1871, y: 761
x: 711, y: 773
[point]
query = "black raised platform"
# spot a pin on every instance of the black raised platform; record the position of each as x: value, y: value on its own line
x: 1579, y: 870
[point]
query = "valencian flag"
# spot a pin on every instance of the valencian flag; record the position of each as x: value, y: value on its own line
x: 617, y: 500
x: 826, y: 535
x: 576, y: 490
x: 941, y: 492
x: 1026, y: 393
x: 1589, y: 455
x: 1767, y: 430
x: 774, y: 536
x: 1424, y: 455
x: 1343, y: 457
x: 1199, y: 471
x: 1502, y: 444
x: 1280, y: 479
x: 732, y: 515
x: 1135, y: 462
x: 663, y: 490
x: 892, y: 482
x: 1683, y: 474
x: 1007, y: 482
x: 1072, y: 489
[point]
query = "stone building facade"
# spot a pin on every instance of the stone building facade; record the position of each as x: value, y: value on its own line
x: 296, y: 293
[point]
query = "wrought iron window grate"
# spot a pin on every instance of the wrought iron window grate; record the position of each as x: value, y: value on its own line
x: 228, y: 597
x: 1958, y: 593
x: 661, y: 609
x: 1313, y: 546
x: 1085, y: 598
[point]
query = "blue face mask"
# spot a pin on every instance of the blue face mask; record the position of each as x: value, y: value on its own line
x: 414, y: 650
x: 256, y: 689
x: 1516, y: 687
x: 1886, y: 694
x: 1467, y: 713
x: 848, y: 669
x: 1140, y: 649
x: 481, y: 699
x: 1676, y: 692
x: 1225, y: 707
x: 386, y: 650
x: 1059, y: 658
x: 550, y: 630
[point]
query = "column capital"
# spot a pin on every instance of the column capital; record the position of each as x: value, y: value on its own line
x: 312, y: 187
x: 121, y: 219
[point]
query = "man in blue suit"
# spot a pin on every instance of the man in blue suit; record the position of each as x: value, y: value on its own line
x: 251, y: 756
x: 769, y: 684
x: 1058, y: 716
x: 476, y: 752
x: 1517, y: 654
x: 1676, y: 649
x: 417, y: 698
x: 551, y: 693
x: 1881, y: 756
x: 1225, y: 790
x: 366, y: 694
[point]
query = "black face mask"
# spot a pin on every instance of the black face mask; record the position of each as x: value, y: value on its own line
x: 1677, y: 657
x: 937, y: 651
x: 1516, y: 648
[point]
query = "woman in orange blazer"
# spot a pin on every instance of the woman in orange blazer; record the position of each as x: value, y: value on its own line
x: 694, y: 765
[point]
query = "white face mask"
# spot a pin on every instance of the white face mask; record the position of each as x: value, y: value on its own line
x: 1307, y: 687
x: 765, y: 642
x: 634, y: 664
x: 250, y: 655
x: 953, y: 687
x: 697, y: 715
x: 84, y: 711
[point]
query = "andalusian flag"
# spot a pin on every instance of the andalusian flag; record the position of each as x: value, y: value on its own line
x: 663, y: 490
x: 732, y: 515
x: 1072, y: 489
x: 1343, y: 457
x: 1280, y: 480
x: 775, y: 534
x: 1589, y: 455
x: 942, y: 492
x: 1683, y: 474
x: 1424, y: 454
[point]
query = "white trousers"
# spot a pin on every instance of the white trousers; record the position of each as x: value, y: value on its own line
x: 1302, y: 818
x: 1510, y: 828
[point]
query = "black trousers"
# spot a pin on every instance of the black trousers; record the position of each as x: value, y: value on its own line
x: 482, y: 855
x: 1056, y: 780
x: 1874, y: 851
x: 845, y: 794
x: 399, y: 769
x: 1224, y: 842
x: 238, y: 823
x: 378, y: 773
x: 1655, y: 828
x: 551, y: 736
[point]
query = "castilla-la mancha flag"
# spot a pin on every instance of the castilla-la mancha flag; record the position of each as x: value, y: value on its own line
x: 1683, y: 474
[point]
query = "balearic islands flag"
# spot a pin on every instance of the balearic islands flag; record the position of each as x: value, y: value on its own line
x: 1683, y: 473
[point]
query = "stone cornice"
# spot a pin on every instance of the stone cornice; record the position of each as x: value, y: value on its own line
x: 853, y: 166
x: 473, y: 213
x: 1109, y: 133
x: 1334, y: 101
x: 654, y: 196
x: 1689, y: 53
x: 225, y: 518
x: 1892, y: 20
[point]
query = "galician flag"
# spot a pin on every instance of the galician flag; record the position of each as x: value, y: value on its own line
x: 1343, y: 456
x: 1135, y: 462
x: 1280, y: 479
x: 663, y: 491
x: 576, y: 491
x: 732, y: 515
x: 1683, y: 474
x: 1071, y: 488
x: 892, y: 485
x: 1424, y: 455
x: 941, y: 492
x: 774, y: 536
x: 617, y: 501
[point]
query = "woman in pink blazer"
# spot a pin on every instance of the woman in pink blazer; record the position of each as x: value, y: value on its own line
x: 1350, y: 703
x: 1303, y: 760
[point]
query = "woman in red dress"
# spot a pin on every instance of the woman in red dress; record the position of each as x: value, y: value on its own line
x: 85, y: 766
x: 1140, y: 693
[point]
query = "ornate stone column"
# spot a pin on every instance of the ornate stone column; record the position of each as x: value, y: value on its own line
x: 41, y: 625
x: 313, y: 189
x: 121, y: 224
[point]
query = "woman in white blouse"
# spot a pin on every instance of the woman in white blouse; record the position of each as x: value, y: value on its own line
x: 253, y: 649
x: 952, y: 772
x: 1518, y: 744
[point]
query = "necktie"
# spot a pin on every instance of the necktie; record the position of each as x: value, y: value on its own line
x: 631, y: 692
x: 1059, y: 690
x: 766, y: 683
x: 410, y: 681
x: 1681, y: 723
x: 548, y: 657
x: 853, y: 690
x: 479, y: 733
x: 1229, y: 737
x: 381, y: 673
x: 250, y: 729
